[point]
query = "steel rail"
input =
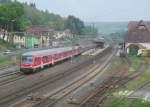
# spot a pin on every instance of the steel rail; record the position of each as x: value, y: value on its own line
x: 45, y: 82
x: 64, y: 91
x: 109, y: 85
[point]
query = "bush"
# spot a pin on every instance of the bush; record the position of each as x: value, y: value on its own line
x: 4, y: 59
x: 133, y: 49
x: 121, y: 102
x: 4, y: 44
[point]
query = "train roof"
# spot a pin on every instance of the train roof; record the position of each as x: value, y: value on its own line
x: 47, y: 51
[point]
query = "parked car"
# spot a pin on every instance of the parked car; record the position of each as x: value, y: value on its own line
x: 7, y: 52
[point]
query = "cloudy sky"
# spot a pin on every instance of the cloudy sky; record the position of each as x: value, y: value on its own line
x: 98, y: 10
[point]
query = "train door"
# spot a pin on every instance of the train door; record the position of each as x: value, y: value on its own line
x: 42, y: 64
x: 52, y: 56
x: 63, y: 55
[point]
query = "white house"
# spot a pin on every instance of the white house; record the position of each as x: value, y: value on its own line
x: 138, y: 34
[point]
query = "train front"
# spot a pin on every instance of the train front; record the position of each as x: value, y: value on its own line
x: 26, y: 63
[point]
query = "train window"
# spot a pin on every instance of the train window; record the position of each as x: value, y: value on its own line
x: 27, y: 59
x: 57, y: 55
x: 43, y: 58
x: 50, y: 56
x: 62, y: 54
x: 54, y: 56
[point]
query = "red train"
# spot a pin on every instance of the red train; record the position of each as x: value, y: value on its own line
x: 35, y: 60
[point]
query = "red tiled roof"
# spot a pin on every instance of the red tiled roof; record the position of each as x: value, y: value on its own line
x: 67, y: 30
x: 136, y: 35
x: 38, y: 30
x: 147, y: 23
x: 133, y: 25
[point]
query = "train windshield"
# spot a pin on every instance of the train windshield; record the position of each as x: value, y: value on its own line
x: 27, y: 59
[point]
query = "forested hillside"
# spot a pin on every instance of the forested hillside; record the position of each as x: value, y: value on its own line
x: 33, y: 16
x: 16, y: 16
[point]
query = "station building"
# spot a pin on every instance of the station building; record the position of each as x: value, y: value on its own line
x: 138, y: 36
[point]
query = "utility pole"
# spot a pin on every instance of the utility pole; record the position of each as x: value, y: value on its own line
x: 12, y: 28
x: 72, y: 47
x: 12, y: 25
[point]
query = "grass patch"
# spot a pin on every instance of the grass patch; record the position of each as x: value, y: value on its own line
x: 8, y: 59
x: 139, y: 80
x: 5, y: 45
x: 122, y: 102
x: 4, y: 59
x: 146, y: 59
x: 134, y: 63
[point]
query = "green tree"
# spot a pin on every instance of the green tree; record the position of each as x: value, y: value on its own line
x: 33, y: 16
x: 15, y: 16
x: 11, y: 13
x: 133, y: 49
x: 89, y: 30
x: 74, y: 24
x: 11, y: 17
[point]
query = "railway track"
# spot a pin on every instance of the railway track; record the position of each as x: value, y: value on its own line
x: 10, y: 77
x: 50, y: 99
x: 19, y: 93
x: 7, y: 65
x: 7, y: 74
x: 7, y: 71
x: 97, y: 97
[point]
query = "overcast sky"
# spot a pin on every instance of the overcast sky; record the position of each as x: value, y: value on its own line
x: 98, y: 10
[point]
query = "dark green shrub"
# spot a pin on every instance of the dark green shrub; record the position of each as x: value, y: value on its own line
x: 133, y: 49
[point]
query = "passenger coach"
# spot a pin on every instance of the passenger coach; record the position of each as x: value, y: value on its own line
x: 36, y: 60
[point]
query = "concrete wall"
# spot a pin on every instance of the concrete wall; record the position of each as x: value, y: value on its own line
x: 19, y: 40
